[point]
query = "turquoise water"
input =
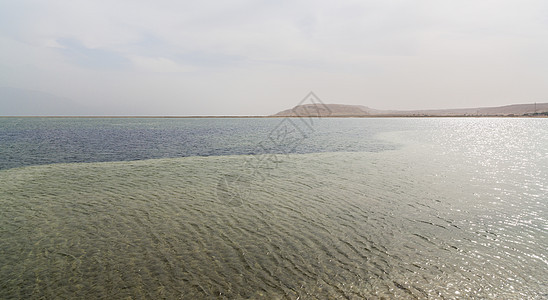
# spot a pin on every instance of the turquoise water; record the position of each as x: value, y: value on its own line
x: 452, y: 208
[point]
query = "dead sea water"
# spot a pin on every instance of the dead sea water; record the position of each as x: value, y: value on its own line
x: 425, y: 208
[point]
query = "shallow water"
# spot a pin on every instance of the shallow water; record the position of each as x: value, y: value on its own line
x: 455, y: 211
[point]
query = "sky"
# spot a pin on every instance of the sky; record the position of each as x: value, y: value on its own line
x: 241, y: 57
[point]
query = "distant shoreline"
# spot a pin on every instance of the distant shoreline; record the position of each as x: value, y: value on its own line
x: 345, y: 110
x: 321, y: 110
x: 278, y: 117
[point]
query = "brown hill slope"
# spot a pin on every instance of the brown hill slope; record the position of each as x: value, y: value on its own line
x: 342, y: 110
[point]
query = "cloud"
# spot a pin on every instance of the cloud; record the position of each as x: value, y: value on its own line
x: 376, y: 53
x: 283, y: 32
x: 157, y: 64
x: 91, y: 58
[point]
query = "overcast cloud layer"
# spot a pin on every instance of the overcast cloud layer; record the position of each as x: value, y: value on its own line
x: 259, y: 57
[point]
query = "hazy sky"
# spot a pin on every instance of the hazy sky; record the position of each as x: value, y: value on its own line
x: 259, y: 57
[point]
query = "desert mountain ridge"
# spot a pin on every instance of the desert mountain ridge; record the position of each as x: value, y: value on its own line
x: 344, y: 110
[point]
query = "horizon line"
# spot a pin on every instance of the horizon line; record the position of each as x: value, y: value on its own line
x: 277, y: 117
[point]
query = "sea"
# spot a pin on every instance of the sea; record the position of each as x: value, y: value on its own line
x: 273, y: 208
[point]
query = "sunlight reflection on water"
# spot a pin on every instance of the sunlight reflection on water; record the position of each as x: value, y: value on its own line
x: 458, y: 211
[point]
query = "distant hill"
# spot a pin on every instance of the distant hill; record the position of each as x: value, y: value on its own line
x: 342, y: 110
x: 21, y: 102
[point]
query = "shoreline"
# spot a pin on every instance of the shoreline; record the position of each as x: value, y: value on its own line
x: 265, y: 117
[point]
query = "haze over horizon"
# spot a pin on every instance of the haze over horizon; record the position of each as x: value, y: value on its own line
x: 257, y: 57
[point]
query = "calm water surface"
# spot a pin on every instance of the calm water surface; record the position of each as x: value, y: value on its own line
x: 344, y: 208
